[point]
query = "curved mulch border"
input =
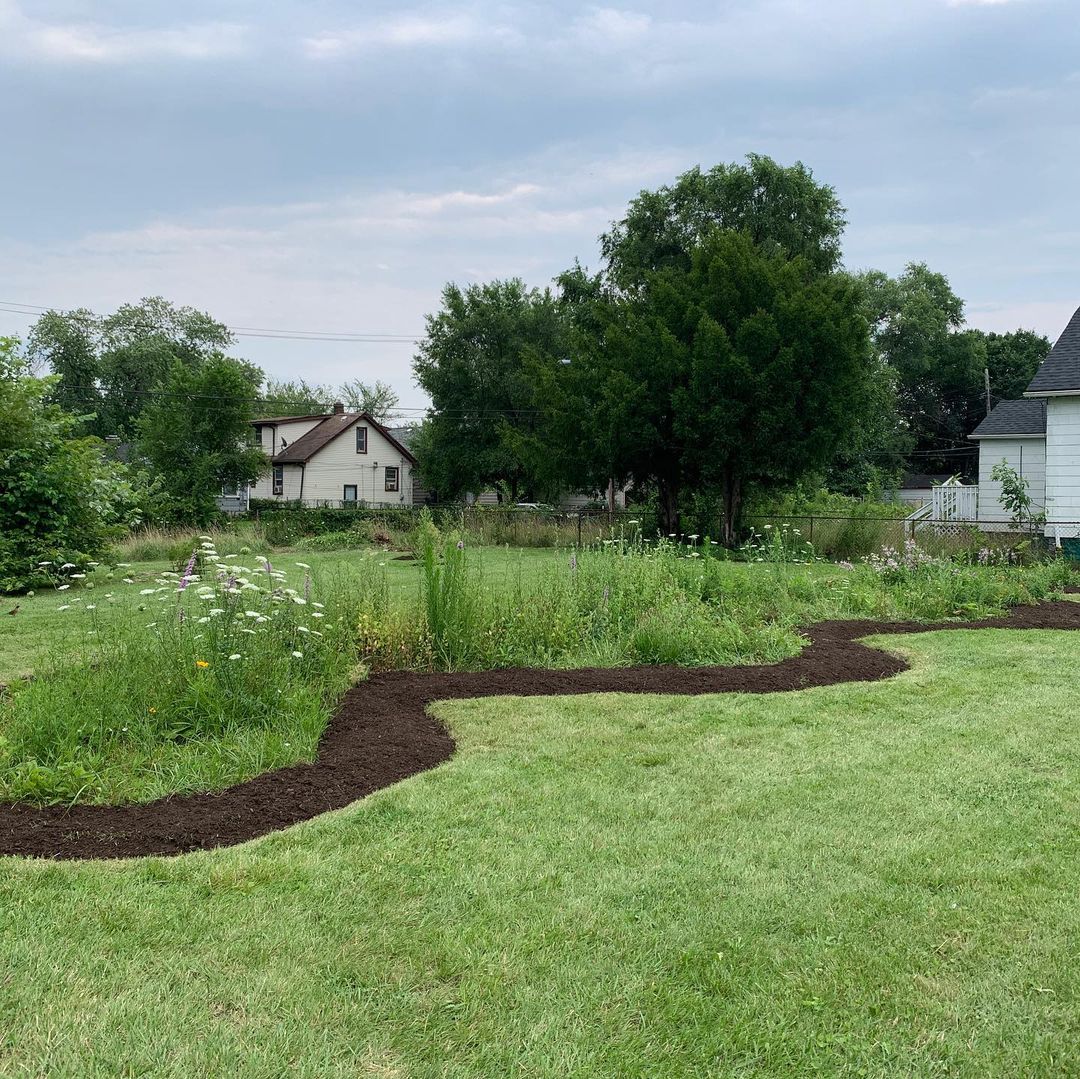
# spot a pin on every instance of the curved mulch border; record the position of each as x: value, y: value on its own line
x: 382, y: 733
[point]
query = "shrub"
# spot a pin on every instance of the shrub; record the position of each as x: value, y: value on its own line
x: 62, y: 502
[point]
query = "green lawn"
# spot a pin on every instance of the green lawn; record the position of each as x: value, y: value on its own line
x: 866, y: 880
x: 39, y: 625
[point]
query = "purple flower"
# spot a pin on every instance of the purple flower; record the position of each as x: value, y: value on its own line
x: 189, y: 569
x: 573, y: 561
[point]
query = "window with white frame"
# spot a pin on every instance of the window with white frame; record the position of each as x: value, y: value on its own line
x: 279, y: 479
x: 393, y: 478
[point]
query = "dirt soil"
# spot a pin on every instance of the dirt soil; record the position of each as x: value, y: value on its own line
x: 383, y: 733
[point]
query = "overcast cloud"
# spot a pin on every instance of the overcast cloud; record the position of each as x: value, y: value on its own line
x: 329, y: 166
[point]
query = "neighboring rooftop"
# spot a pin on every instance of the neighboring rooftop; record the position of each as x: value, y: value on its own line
x: 1060, y: 371
x: 306, y: 446
x: 1013, y: 419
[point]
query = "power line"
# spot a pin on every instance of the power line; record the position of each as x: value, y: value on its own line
x: 372, y: 338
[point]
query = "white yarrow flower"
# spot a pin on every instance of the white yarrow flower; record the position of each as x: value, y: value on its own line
x: 235, y: 655
x: 298, y: 655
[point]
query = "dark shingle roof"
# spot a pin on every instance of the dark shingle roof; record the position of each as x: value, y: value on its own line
x: 1013, y: 418
x: 1061, y: 369
x: 404, y: 435
x: 306, y: 446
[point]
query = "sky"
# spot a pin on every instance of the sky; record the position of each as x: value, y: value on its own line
x: 329, y: 166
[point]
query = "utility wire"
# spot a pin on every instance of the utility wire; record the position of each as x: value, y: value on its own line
x: 373, y: 338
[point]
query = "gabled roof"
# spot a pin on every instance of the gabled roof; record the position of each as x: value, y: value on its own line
x: 1060, y: 371
x: 306, y: 446
x: 1014, y: 419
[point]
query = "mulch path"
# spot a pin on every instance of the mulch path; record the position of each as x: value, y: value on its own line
x: 382, y: 733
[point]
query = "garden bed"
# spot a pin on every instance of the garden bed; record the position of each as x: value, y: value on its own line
x: 382, y: 733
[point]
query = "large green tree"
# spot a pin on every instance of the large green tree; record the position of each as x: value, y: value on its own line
x: 62, y: 499
x: 112, y: 366
x: 196, y: 434
x: 782, y: 209
x: 480, y: 362
x: 742, y: 368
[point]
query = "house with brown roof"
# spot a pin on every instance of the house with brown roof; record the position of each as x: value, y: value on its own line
x: 343, y: 458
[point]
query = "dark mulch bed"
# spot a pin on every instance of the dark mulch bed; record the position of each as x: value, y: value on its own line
x: 382, y: 733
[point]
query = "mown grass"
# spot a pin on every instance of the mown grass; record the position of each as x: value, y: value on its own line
x: 864, y: 880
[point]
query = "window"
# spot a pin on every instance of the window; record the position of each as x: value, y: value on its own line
x: 350, y: 493
x: 230, y: 490
x: 392, y: 478
x: 279, y: 479
x: 361, y: 440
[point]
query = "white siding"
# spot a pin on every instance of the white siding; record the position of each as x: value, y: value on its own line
x: 270, y: 440
x: 338, y: 464
x: 1063, y: 464
x: 1027, y: 456
x: 273, y: 436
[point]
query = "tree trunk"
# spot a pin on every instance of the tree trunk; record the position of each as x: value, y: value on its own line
x: 732, y: 507
x: 669, y: 508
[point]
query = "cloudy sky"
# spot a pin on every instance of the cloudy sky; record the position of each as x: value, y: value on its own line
x: 327, y: 166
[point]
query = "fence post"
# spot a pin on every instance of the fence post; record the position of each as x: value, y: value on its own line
x: 810, y: 538
x: 579, y: 513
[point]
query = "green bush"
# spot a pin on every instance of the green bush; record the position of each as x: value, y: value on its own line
x: 62, y: 502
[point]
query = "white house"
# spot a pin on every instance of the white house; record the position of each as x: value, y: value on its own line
x: 340, y: 459
x: 1040, y: 438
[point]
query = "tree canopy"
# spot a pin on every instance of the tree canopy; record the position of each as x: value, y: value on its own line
x: 62, y: 499
x: 377, y: 398
x: 918, y: 331
x: 110, y: 366
x: 781, y: 209
x: 197, y: 435
x: 481, y: 362
x: 743, y: 367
